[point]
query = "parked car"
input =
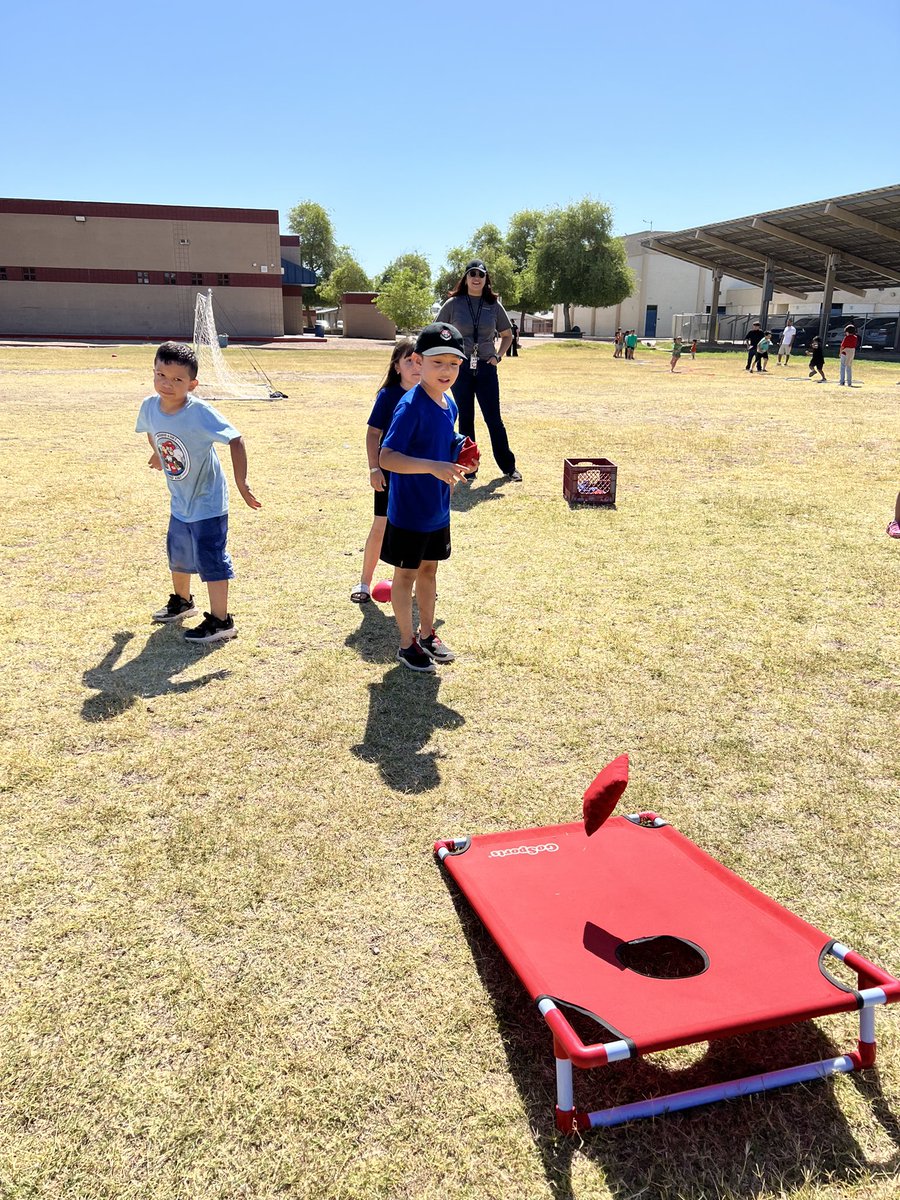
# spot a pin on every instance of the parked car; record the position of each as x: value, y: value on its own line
x: 880, y: 333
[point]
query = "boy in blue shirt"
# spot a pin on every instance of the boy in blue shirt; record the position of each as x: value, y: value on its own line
x: 182, y: 433
x: 420, y: 450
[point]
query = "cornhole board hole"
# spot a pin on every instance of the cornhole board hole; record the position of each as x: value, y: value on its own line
x: 661, y: 946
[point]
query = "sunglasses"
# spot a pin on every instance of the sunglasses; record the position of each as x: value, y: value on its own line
x: 477, y: 274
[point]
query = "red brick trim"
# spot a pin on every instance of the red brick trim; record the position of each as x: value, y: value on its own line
x: 147, y: 212
x: 151, y: 339
x: 290, y: 239
x: 358, y: 297
x: 183, y: 278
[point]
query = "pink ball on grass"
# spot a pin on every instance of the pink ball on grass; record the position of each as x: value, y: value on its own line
x: 382, y: 591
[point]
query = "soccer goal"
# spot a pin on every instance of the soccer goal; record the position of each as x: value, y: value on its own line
x: 218, y: 380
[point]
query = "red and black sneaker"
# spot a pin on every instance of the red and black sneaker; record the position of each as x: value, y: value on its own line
x: 436, y: 649
x: 415, y: 657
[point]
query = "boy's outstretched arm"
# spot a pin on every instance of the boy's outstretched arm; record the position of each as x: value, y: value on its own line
x: 405, y: 464
x: 154, y: 461
x: 239, y: 466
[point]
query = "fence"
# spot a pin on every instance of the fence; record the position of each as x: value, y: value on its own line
x: 876, y: 331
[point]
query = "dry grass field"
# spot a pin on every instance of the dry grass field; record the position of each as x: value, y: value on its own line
x: 231, y: 966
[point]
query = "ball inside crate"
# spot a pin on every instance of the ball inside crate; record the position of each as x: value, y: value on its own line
x: 589, y: 481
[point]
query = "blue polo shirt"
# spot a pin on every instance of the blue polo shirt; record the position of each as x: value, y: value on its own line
x: 421, y: 428
x: 184, y: 441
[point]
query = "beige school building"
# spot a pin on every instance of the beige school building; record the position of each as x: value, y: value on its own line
x: 77, y: 269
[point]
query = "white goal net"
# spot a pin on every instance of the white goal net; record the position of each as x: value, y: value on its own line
x: 217, y: 379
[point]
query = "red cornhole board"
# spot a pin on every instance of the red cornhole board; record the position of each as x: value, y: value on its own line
x: 581, y: 920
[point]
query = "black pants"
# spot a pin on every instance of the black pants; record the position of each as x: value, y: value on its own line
x: 484, y: 385
x: 751, y: 354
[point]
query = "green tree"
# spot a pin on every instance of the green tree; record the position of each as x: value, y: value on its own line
x: 417, y: 263
x: 578, y: 261
x: 525, y: 228
x: 318, y: 249
x: 487, y: 244
x: 406, y: 300
x: 347, y: 276
x: 448, y: 276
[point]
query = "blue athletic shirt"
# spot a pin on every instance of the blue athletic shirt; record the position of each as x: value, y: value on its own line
x: 422, y: 429
x: 184, y: 441
x: 385, y: 403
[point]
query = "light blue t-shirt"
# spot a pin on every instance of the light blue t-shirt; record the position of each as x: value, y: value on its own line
x: 184, y: 441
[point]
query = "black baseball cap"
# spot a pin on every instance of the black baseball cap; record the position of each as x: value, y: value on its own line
x: 476, y: 265
x: 440, y: 338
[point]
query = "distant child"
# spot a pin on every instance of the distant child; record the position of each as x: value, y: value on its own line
x: 402, y: 375
x: 694, y: 348
x: 630, y: 343
x: 848, y: 353
x: 182, y: 433
x: 893, y: 529
x: 421, y: 449
x: 619, y: 342
x: 677, y: 351
x: 817, y: 360
x: 762, y: 351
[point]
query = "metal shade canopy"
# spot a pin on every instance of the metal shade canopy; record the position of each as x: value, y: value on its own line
x: 848, y: 242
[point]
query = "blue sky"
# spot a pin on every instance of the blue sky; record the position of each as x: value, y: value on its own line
x: 413, y: 123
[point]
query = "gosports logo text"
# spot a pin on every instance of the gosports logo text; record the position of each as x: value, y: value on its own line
x: 550, y: 846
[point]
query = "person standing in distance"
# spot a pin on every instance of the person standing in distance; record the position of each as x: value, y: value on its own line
x: 787, y: 340
x: 753, y: 338
x: 474, y: 308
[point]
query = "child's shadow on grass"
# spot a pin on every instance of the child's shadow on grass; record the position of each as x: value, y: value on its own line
x: 164, y: 655
x: 750, y: 1145
x: 376, y: 638
x: 403, y: 714
x: 467, y: 495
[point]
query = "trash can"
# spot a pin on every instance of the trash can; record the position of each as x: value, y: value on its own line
x: 223, y: 340
x: 319, y: 330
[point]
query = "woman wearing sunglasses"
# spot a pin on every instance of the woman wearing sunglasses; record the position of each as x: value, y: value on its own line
x: 476, y: 312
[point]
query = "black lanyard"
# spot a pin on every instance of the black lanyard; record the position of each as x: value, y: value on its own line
x: 476, y: 318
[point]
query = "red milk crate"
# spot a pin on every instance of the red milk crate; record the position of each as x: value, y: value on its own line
x: 589, y: 481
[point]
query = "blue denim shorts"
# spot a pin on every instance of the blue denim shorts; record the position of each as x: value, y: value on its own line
x: 198, y: 548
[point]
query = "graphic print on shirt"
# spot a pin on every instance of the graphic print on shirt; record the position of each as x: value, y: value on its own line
x: 172, y: 451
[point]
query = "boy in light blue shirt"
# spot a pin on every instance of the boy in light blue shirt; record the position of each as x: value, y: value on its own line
x: 182, y: 433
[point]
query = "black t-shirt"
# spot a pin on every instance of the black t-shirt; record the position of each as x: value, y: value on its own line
x: 754, y: 337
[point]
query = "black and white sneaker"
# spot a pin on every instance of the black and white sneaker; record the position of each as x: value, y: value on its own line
x: 415, y: 658
x: 211, y: 629
x: 176, y: 609
x: 514, y: 476
x: 436, y: 649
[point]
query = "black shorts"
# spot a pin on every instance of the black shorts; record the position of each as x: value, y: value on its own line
x: 408, y: 549
x: 381, y: 498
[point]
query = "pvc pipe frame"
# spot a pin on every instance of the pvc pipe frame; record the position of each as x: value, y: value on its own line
x: 569, y: 1119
